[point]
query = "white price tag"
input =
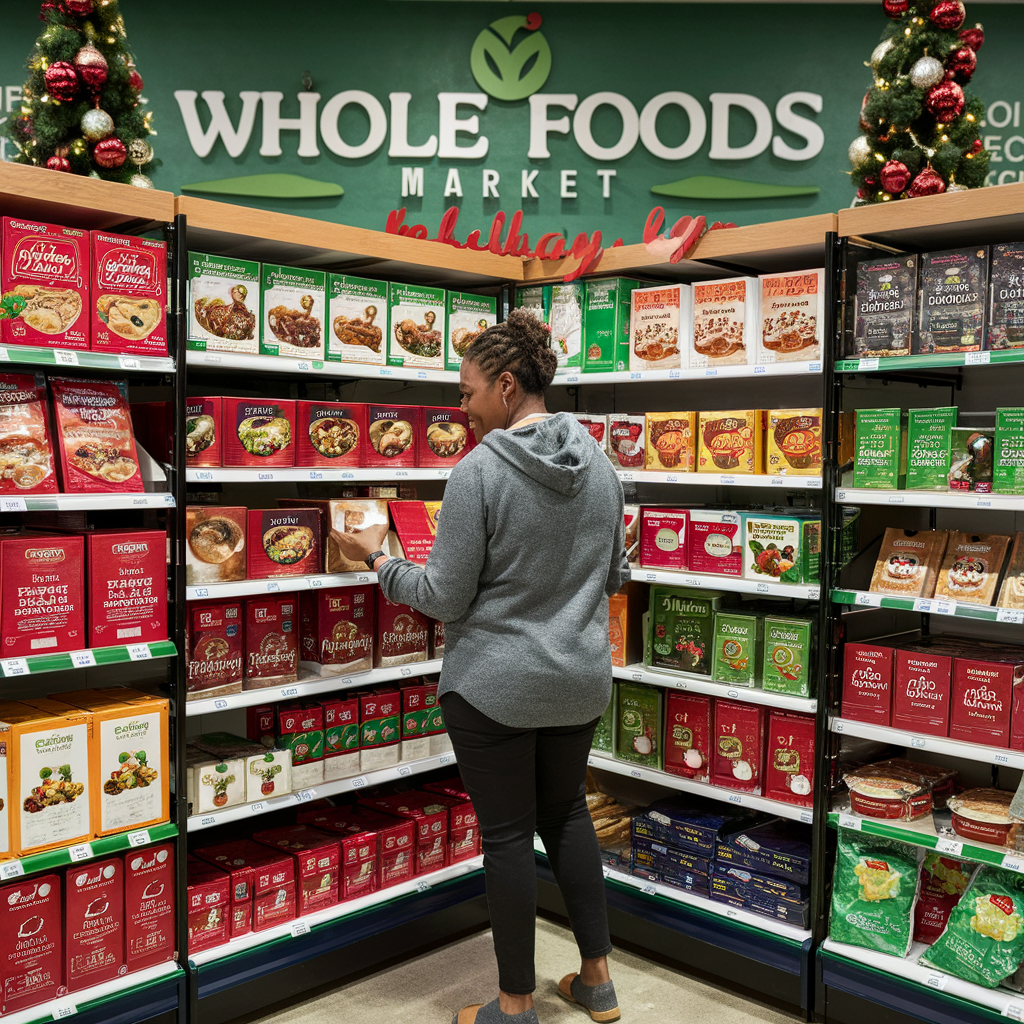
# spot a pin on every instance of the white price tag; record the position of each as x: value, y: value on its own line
x: 778, y: 481
x: 727, y: 481
x: 65, y: 358
x: 12, y: 869
x: 273, y: 587
x: 315, y: 583
x: 838, y: 726
x: 850, y: 821
x: 257, y: 808
x: 950, y: 846
x: 923, y: 604
x: 637, y: 677
x: 128, y: 362
x: 691, y: 581
x: 867, y: 365
x: 651, y: 577
x: 211, y: 357
x: 140, y: 838
x: 918, y: 742
x: 1015, y: 1011
x: 636, y: 773
x: 937, y: 981
x: 814, y: 593
x: 870, y: 600
x: 711, y: 372
x: 299, y: 928
x: 977, y: 358
x: 406, y: 672
x: 290, y: 691
x: 302, y: 366
x: 650, y: 890
x: 897, y: 499
x: 625, y: 476
x: 13, y: 505
x: 404, y: 770
x: 209, y: 820
x: 1010, y: 615
x: 735, y: 798
x: 220, y: 704
x: 139, y: 652
x: 5, y: 356
x: 83, y: 659
x: 763, y: 588
x: 760, y: 369
x: 731, y: 912
x: 1013, y: 863
x: 807, y: 817
x: 444, y: 759
x: 359, y: 783
x: 83, y: 851
x: 606, y: 870
x: 734, y: 694
x: 62, y: 1010
x: 422, y: 886
x: 675, y: 375
x: 305, y: 795
x: 671, y: 478
x: 1001, y: 759
x: 200, y: 592
x: 945, y: 608
x: 814, y: 367
x: 362, y: 578
x: 14, y: 667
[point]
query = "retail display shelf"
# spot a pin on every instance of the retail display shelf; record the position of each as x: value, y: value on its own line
x: 728, y: 796
x: 83, y: 502
x: 104, y: 846
x: 702, y: 684
x: 28, y: 355
x: 930, y: 361
x: 310, y: 473
x: 90, y: 657
x: 316, y: 367
x: 278, y: 585
x: 930, y: 499
x: 792, y: 483
x: 309, y: 686
x: 930, y: 606
x: 304, y: 925
x: 733, y: 584
x: 197, y: 822
x: 706, y: 373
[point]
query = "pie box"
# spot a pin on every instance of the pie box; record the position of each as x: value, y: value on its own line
x: 94, y: 437
x: 129, y: 294
x: 984, y: 692
x: 394, y: 433
x: 671, y: 442
x: 317, y: 858
x: 341, y: 736
x: 401, y: 634
x: 32, y: 956
x: 431, y: 818
x: 214, y: 649
x: 660, y: 327
x: 42, y: 604
x: 93, y: 923
x: 971, y: 567
x: 731, y: 442
x: 301, y: 730
x: 258, y: 432
x: 666, y: 859
x: 149, y: 906
x: 203, y: 440
x: 688, y: 735
x: 921, y: 691
x: 734, y: 879
x: 415, y: 715
x: 626, y: 440
x: 44, y: 280
x: 415, y: 523
x: 789, y: 760
x: 294, y: 310
x: 331, y: 434
x: 271, y: 640
x: 778, y: 848
x: 889, y: 791
x: 343, y: 516
x: 27, y: 459
x: 446, y: 437
x: 337, y: 629
x: 283, y: 542
x: 739, y: 731
x: 743, y: 897
x: 380, y: 714
x: 215, y: 544
x: 983, y: 816
x: 273, y: 878
x: 726, y: 322
x: 209, y: 906
x: 715, y: 542
x: 663, y: 538
x: 867, y: 683
x: 908, y: 562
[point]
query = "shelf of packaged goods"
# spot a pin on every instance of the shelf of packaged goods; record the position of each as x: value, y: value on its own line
x: 931, y: 499
x: 36, y: 664
x: 197, y: 822
x: 27, y: 355
x: 315, y: 367
x: 104, y: 846
x: 728, y: 796
x: 930, y: 361
x: 792, y: 483
x: 261, y: 476
x: 310, y: 686
x: 83, y: 502
x: 701, y: 684
x: 711, y: 372
x: 279, y: 585
x: 930, y: 606
x: 733, y: 584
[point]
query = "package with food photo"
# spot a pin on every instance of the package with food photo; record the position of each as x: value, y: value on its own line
x: 415, y: 524
x: 468, y: 317
x: 661, y: 327
x: 358, y: 318
x: 94, y: 436
x: 726, y: 322
x: 271, y: 640
x: 786, y: 548
x: 789, y: 760
x: 737, y: 649
x: 908, y: 562
x: 971, y: 567
x: 393, y: 432
x: 606, y: 315
x: 331, y: 434
x: 347, y: 515
x: 739, y: 745
x: 793, y: 442
x: 215, y: 544
x: 731, y: 442
x: 627, y: 439
x: 1011, y: 593
x: 418, y: 326
x: 446, y: 437
x: 682, y: 628
x: 786, y: 661
x: 214, y: 649
x: 26, y: 453
x: 94, y: 923
x: 716, y: 542
x: 638, y: 724
x: 671, y: 442
x: 888, y: 791
x: 224, y: 304
x: 942, y: 883
x: 129, y: 294
x: 401, y: 634
x: 294, y: 307
x: 884, y: 310
x: 282, y: 542
x: 258, y: 432
x: 567, y: 300
x: 880, y: 449
x: 537, y: 299
x: 1006, y: 297
x: 1008, y: 471
x: 202, y: 431
x: 971, y: 460
x: 792, y: 316
x: 596, y: 425
x: 688, y: 735
x: 663, y: 540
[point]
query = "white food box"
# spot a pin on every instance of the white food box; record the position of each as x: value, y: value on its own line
x: 726, y: 322
x: 660, y: 327
x: 415, y: 749
x: 440, y: 743
x: 294, y: 306
x: 792, y: 317
x: 341, y: 766
x: 218, y: 784
x: 372, y: 758
x: 306, y: 775
x: 268, y: 774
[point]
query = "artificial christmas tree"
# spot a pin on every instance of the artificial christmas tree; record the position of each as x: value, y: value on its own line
x: 82, y: 109
x: 919, y: 129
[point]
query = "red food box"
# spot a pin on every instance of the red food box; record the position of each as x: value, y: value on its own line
x: 215, y: 649
x: 209, y: 906
x: 715, y: 542
x: 338, y: 628
x: 415, y: 522
x: 359, y: 866
x: 330, y: 434
x: 129, y: 294
x: 983, y: 696
x: 261, y: 724
x: 317, y: 858
x: 27, y: 463
x: 273, y: 879
x: 393, y: 432
x: 42, y: 594
x: 739, y: 746
x: 127, y: 586
x: 282, y: 542
x: 380, y: 715
x: 149, y: 906
x: 242, y: 882
x: 94, y: 437
x: 921, y: 694
x: 94, y: 923
x: 789, y: 759
x: 32, y: 961
x: 258, y: 432
x: 44, y: 279
x: 203, y: 442
x: 448, y: 787
x: 431, y: 819
x: 688, y: 735
x: 663, y: 538
x: 402, y: 634
x: 867, y: 683
x: 341, y: 736
x: 271, y: 640
x: 461, y: 814
x: 463, y: 844
x: 627, y: 438
x: 445, y: 438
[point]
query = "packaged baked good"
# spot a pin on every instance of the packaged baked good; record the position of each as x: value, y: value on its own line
x: 26, y: 454
x: 129, y: 294
x: 663, y: 540
x: 922, y: 690
x: 731, y: 442
x: 739, y: 738
x: 671, y: 441
x: 943, y: 881
x: 330, y: 434
x: 627, y: 438
x: 1011, y: 593
x: 1006, y: 298
x: 726, y: 322
x: 867, y: 682
x: 983, y: 816
x: 908, y: 562
x: 596, y: 425
x: 789, y: 758
x: 401, y: 634
x: 792, y: 316
x: 638, y: 724
x: 953, y: 294
x: 660, y: 327
x: 418, y: 326
x: 358, y: 320
x: 793, y: 442
x: 1008, y: 469
x: 224, y: 304
x: 566, y: 321
x: 688, y: 735
x: 258, y: 432
x: 716, y: 542
x: 889, y: 792
x: 606, y: 318
x: 682, y: 628
x: 215, y: 544
x: 786, y: 548
x: 271, y: 640
x: 468, y: 317
x: 884, y: 310
x: 777, y: 848
x: 349, y: 515
x: 971, y: 567
x: 294, y: 306
x: 786, y: 661
x: 631, y: 514
x: 880, y: 449
x: 415, y: 527
x: 445, y: 437
x: 203, y: 431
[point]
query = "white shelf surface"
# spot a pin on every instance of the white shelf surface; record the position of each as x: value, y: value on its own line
x: 930, y: 499
x: 80, y: 502
x: 280, y: 365
x: 703, y: 684
x: 198, y: 822
x: 310, y: 473
x: 733, y: 584
x: 793, y: 369
x: 302, y: 925
x: 727, y: 796
x: 278, y: 585
x: 39, y: 355
x: 310, y: 686
x: 792, y: 483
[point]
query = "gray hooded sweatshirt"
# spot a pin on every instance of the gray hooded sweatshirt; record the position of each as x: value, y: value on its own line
x: 530, y: 545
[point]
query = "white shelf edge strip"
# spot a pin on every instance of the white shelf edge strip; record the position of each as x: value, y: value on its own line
x: 733, y: 584
x: 278, y: 585
x: 696, y: 373
x: 279, y: 364
x: 641, y: 476
x: 83, y: 502
x: 930, y: 499
x: 230, y: 474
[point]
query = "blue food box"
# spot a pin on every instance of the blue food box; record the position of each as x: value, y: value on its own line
x: 788, y: 911
x: 697, y: 884
x: 649, y: 874
x: 690, y: 825
x: 777, y: 847
x: 739, y: 882
x: 650, y: 853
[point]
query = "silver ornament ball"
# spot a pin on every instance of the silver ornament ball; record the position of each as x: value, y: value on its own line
x: 879, y: 52
x: 926, y: 72
x: 859, y: 151
x: 957, y: 188
x: 97, y: 125
x: 140, y: 152
x: 141, y: 181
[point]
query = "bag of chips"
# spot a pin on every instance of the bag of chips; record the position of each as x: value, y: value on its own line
x: 873, y: 893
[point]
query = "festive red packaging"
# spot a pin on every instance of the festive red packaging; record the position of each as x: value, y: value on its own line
x: 445, y: 438
x: 149, y: 906
x: 401, y: 634
x: 32, y: 943
x: 332, y: 434
x: 214, y: 649
x: 461, y: 814
x: 739, y: 745
x: 341, y: 736
x: 283, y: 542
x: 943, y: 882
x: 241, y: 881
x: 663, y: 538
x: 463, y: 844
x: 431, y: 820
x: 338, y: 628
x: 789, y: 758
x: 261, y: 724
x: 203, y: 442
x: 415, y: 523
x: 317, y: 858
x: 271, y: 641
x: 393, y: 432
x: 26, y: 453
x: 44, y: 278
x: 627, y: 438
x: 258, y: 432
x: 94, y: 437
x: 129, y: 294
x: 715, y: 542
x: 273, y: 879
x: 42, y: 594
x: 921, y: 693
x: 209, y: 906
x: 380, y: 715
x: 94, y: 923
x: 359, y: 868
x: 982, y: 700
x: 867, y: 683
x: 688, y: 735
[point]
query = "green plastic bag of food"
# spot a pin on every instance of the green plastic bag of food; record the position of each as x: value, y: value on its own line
x: 873, y: 893
x: 984, y: 939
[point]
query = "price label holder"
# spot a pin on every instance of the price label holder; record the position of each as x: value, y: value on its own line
x: 1015, y: 1011
x: 1013, y: 862
x: 299, y: 928
x: 850, y: 821
x: 62, y: 1010
x: 257, y: 808
x: 83, y: 851
x: 139, y: 652
x: 949, y: 846
x: 807, y: 817
x: 64, y: 357
x: 11, y: 869
x: 444, y: 759
x: 139, y: 838
x: 290, y: 691
x: 897, y: 499
x: 359, y: 783
x: 13, y: 505
x: 14, y: 667
x: 867, y: 365
x: 422, y: 886
x: 83, y: 659
x: 977, y: 358
x: 937, y: 980
x: 220, y: 704
x: 208, y: 820
x: 1010, y: 615
x: 868, y: 600
x: 404, y: 770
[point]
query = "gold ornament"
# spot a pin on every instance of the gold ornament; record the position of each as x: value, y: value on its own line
x: 141, y: 181
x: 859, y: 151
x: 879, y: 52
x: 97, y: 124
x: 140, y: 152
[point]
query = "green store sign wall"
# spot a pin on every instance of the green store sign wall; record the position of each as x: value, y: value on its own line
x: 581, y: 115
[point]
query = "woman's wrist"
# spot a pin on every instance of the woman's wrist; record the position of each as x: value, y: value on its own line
x: 379, y: 562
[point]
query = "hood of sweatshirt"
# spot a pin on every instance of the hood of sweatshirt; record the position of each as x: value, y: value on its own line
x: 556, y: 452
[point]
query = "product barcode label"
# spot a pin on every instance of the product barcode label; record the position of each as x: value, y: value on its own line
x: 209, y: 820
x: 12, y: 869
x: 83, y: 851
x: 1010, y: 615
x: 359, y: 783
x: 937, y: 981
x: 867, y: 365
x: 83, y: 659
x: 14, y: 666
x: 1013, y: 863
x: 128, y: 362
x: 62, y: 1010
x: 66, y: 358
x: 139, y: 652
x: 950, y: 846
x: 849, y: 821
x: 977, y: 358
x: 807, y: 817
x: 13, y: 505
x: 139, y: 838
x: 299, y: 928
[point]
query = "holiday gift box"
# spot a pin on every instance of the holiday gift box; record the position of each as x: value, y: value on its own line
x: 215, y: 648
x: 884, y: 307
x: 682, y: 628
x: 338, y: 629
x: 663, y: 538
x: 380, y: 728
x: 731, y: 442
x: 401, y: 634
x: 217, y: 782
x: 44, y: 285
x: 606, y: 317
x: 358, y: 317
x: 566, y: 322
x: 716, y: 542
x: 344, y: 516
x: 726, y: 322
x: 688, y: 735
x: 786, y: 660
x: 1006, y: 298
x: 258, y: 432
x: 783, y: 548
x: 283, y: 542
x: 671, y: 441
x: 793, y: 442
x: 341, y: 736
x: 736, y: 649
x: 660, y: 327
x: 417, y: 326
x: 33, y: 950
x: 468, y: 317
x: 294, y: 304
x: 268, y: 772
x: 792, y: 316
x: 210, y: 909
x: 129, y: 294
x: 638, y: 724
x: 202, y: 432
x: 271, y: 640
x: 922, y: 684
x: 971, y: 567
x: 445, y: 439
x: 301, y: 730
x: 880, y: 456
x: 908, y: 562
x: 393, y: 432
x: 982, y: 698
x: 536, y: 299
x: 430, y: 818
x: 317, y: 859
x: 94, y: 923
x: 415, y: 524
x: 929, y: 444
x: 953, y: 294
x: 867, y: 683
x: 1008, y: 469
x: 789, y: 758
x: 215, y: 544
x: 224, y: 304
x: 26, y: 453
x: 241, y: 882
x: 331, y: 434
x: 274, y: 896
x: 739, y: 745
x: 971, y: 460
x: 360, y: 869
x: 627, y: 440
x: 149, y: 906
x: 414, y: 721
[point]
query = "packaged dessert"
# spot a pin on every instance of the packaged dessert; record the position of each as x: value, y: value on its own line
x: 273, y: 878
x: 777, y: 848
x: 971, y: 460
x: 44, y: 285
x: 789, y: 758
x: 783, y: 548
x: 971, y: 567
x: 792, y: 316
x: 331, y: 434
x: 415, y: 524
x: 446, y: 437
x: 393, y: 432
x: 380, y: 727
x: 224, y: 304
x: 94, y: 436
x: 214, y: 649
x: 982, y: 697
x: 736, y: 649
x: 300, y: 729
x: 671, y: 442
x: 888, y: 792
x: 908, y: 562
x: 294, y: 306
x: 358, y: 315
x: 94, y: 923
x: 943, y: 881
x: 638, y: 724
x: 338, y: 629
x: 739, y: 738
x: 688, y: 735
x: 344, y: 516
x: 943, y: 782
x: 401, y: 634
x: 536, y: 299
x: 793, y: 442
x: 731, y: 442
x: 606, y: 313
x: 26, y: 453
x: 215, y: 544
x: 922, y: 686
x: 716, y: 542
x: 1008, y: 468
x: 418, y: 326
x: 884, y: 310
x: 726, y: 322
x: 202, y: 432
x: 661, y: 327
x: 430, y: 818
x: 282, y: 542
x: 1006, y: 297
x: 867, y: 682
x: 952, y: 296
x: 627, y: 439
x: 33, y: 956
x: 596, y: 426
x: 317, y: 859
x: 468, y: 317
x: 258, y: 432
x: 1011, y: 593
x: 788, y: 649
x: 566, y: 322
x: 929, y: 447
x: 271, y: 640
x: 682, y: 628
x: 663, y: 540
x: 149, y: 906
x: 880, y: 455
x: 983, y: 816
x: 129, y: 294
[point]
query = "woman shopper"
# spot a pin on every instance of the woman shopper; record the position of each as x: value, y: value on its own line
x: 529, y: 546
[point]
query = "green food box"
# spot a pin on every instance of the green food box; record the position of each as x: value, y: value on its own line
x: 638, y: 724
x: 606, y: 324
x: 971, y: 459
x: 786, y: 665
x: 358, y: 320
x: 682, y: 624
x: 294, y: 311
x: 537, y: 299
x: 737, y: 649
x: 929, y: 434
x: 224, y: 304
x: 1008, y: 475
x: 416, y: 326
x: 604, y: 734
x: 880, y: 455
x: 468, y: 317
x: 567, y: 301
x: 781, y: 548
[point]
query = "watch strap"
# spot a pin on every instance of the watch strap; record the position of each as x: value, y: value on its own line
x: 373, y: 558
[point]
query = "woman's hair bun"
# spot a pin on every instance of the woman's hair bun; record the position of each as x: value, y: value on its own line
x: 522, y: 346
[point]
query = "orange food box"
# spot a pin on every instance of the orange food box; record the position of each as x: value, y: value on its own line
x: 731, y: 442
x: 671, y: 441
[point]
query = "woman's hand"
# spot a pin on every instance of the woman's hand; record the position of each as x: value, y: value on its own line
x: 358, y: 546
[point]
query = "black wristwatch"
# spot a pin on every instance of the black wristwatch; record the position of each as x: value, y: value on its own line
x: 373, y: 558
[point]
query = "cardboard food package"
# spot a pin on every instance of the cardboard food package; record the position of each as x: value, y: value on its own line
x: 929, y: 448
x: 44, y: 281
x: 1011, y: 593
x: 338, y: 629
x: 625, y: 632
x: 359, y: 865
x: 215, y: 648
x: 274, y: 895
x: 792, y: 317
x: 731, y: 442
x: 536, y: 299
x: 209, y: 906
x: 971, y: 460
x: 271, y: 640
x: 215, y: 548
x: 783, y: 548
x: 349, y: 515
x: 739, y: 739
x: 671, y: 442
x: 908, y: 562
x: 414, y: 721
x: 627, y: 439
x: 129, y: 294
x: 1008, y: 471
x: 217, y: 781
x: 300, y: 729
x: 330, y: 434
x: 27, y: 463
x: 380, y: 728
x: 716, y: 542
x: 417, y: 326
x: 430, y: 817
x: 688, y: 735
x: 566, y: 321
x: 317, y: 858
x: 953, y: 294
x: 789, y: 758
x: 971, y: 567
x: 283, y: 542
x: 880, y: 455
x: 867, y: 682
x: 263, y: 770
x: 401, y: 634
x: 294, y: 307
x: 793, y: 442
x: 446, y: 437
x: 922, y: 685
x: 149, y: 906
x: 94, y: 923
x: 663, y: 538
x: 884, y: 310
x: 358, y: 320
x: 983, y: 695
x: 736, y: 649
x: 661, y: 327
x: 341, y: 736
x: 415, y: 524
x: 597, y: 426
x: 639, y: 724
x: 258, y: 432
x: 726, y: 322
x: 1006, y: 302
x: 606, y: 317
x: 224, y: 304
x: 33, y: 961
x: 468, y: 317
x: 203, y: 441
x: 682, y: 628
x: 394, y: 433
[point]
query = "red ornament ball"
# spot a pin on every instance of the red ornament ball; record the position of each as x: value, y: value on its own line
x: 976, y: 147
x: 61, y: 81
x: 135, y: 80
x: 973, y: 37
x: 47, y: 8
x: 948, y: 14
x: 962, y: 64
x: 80, y: 8
x: 109, y: 153
x: 945, y: 101
x: 927, y: 183
x: 871, y: 181
x: 895, y: 177
x: 896, y: 8
x: 91, y: 66
x: 59, y: 163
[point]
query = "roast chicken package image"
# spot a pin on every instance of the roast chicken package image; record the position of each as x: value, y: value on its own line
x: 358, y: 320
x: 224, y: 304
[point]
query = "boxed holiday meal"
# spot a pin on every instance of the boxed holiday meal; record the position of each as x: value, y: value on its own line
x: 358, y: 317
x: 688, y: 735
x: 210, y: 910
x: 867, y: 683
x: 445, y: 439
x: 129, y: 294
x: 971, y: 567
x: 271, y: 640
x: 393, y: 432
x: 94, y: 436
x: 332, y: 434
x: 44, y: 280
x: 793, y: 442
x: 777, y: 848
x: 1008, y: 469
x: 726, y: 322
x: 792, y: 316
x: 26, y: 452
x: 415, y: 524
x: 983, y: 696
x: 536, y: 299
x: 736, y: 650
x: 971, y: 460
x: 430, y: 818
x: 43, y: 594
x: 317, y: 858
x: 33, y: 956
x: 337, y: 629
x: 786, y: 658
x: 468, y: 317
x: 1006, y: 299
x: 203, y: 445
x: 283, y: 542
x: 942, y: 882
x: 294, y: 305
x: 268, y: 772
x: 716, y: 542
x: 149, y: 906
x: 624, y: 630
x: 301, y: 730
x: 360, y: 869
x: 566, y: 322
x: 690, y: 824
x: 94, y: 923
x: 682, y: 628
x: 258, y: 432
x: 786, y: 548
x: 671, y: 441
x: 401, y: 634
x: 880, y: 456
x: 627, y: 440
x: 789, y: 760
x: 631, y: 521
x: 215, y: 649
x: 606, y: 316
x: 952, y: 296
x: 929, y: 444
x: 884, y: 310
x: 638, y: 724
x: 241, y: 879
x: 380, y: 727
x: 889, y: 791
x: 983, y: 816
x: 215, y: 549
x: 908, y: 562
x: 274, y: 895
x: 922, y: 686
x: 739, y: 738
x: 418, y: 328
x: 731, y: 442
x: 224, y: 301
x: 343, y: 516
x: 341, y: 736
x: 663, y: 539
x: 660, y: 327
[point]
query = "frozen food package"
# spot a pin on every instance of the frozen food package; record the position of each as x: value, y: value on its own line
x: 971, y: 566
x: 26, y: 453
x: 908, y: 562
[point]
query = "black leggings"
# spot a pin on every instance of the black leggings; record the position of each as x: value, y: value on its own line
x: 523, y: 781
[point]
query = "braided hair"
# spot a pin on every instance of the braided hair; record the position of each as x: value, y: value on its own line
x: 522, y: 346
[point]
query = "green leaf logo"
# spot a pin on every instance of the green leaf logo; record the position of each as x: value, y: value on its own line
x: 506, y: 73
